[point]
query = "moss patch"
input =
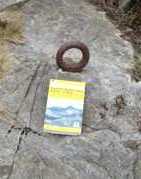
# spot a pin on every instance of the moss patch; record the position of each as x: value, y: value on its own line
x: 4, y: 65
x: 5, y: 61
x: 11, y: 26
x: 11, y: 30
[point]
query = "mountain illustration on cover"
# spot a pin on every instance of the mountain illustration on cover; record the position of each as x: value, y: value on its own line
x: 67, y: 117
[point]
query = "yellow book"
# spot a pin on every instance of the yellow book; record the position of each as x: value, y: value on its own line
x: 64, y: 109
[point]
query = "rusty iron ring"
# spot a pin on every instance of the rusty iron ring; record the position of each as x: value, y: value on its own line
x: 74, y: 67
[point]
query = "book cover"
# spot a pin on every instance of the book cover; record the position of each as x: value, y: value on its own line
x: 64, y: 109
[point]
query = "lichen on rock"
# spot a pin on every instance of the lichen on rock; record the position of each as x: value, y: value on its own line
x: 11, y: 30
x: 4, y: 60
x: 11, y: 25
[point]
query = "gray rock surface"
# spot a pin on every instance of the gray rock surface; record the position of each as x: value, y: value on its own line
x: 4, y: 4
x: 109, y: 147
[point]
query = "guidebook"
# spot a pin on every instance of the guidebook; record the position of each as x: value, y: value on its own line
x: 64, y: 109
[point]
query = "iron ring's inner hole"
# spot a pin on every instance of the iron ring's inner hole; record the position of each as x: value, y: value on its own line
x: 72, y: 56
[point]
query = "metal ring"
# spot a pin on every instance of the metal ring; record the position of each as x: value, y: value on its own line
x: 74, y: 67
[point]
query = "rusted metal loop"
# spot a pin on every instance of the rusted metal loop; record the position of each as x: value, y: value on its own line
x: 73, y: 67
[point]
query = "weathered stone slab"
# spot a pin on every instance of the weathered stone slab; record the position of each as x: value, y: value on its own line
x: 112, y: 105
x: 4, y: 4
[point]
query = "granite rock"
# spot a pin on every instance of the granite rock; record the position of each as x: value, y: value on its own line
x: 112, y: 106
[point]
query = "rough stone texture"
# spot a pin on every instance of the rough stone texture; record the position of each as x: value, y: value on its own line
x: 109, y: 147
x: 5, y: 4
x: 124, y: 3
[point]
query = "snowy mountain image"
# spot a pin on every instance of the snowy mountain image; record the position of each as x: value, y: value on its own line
x: 65, y: 117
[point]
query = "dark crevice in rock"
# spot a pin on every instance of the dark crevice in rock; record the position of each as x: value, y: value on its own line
x: 16, y: 151
x: 28, y: 88
x: 23, y: 132
x: 36, y: 90
x: 22, y: 82
x: 32, y: 79
x: 16, y: 115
